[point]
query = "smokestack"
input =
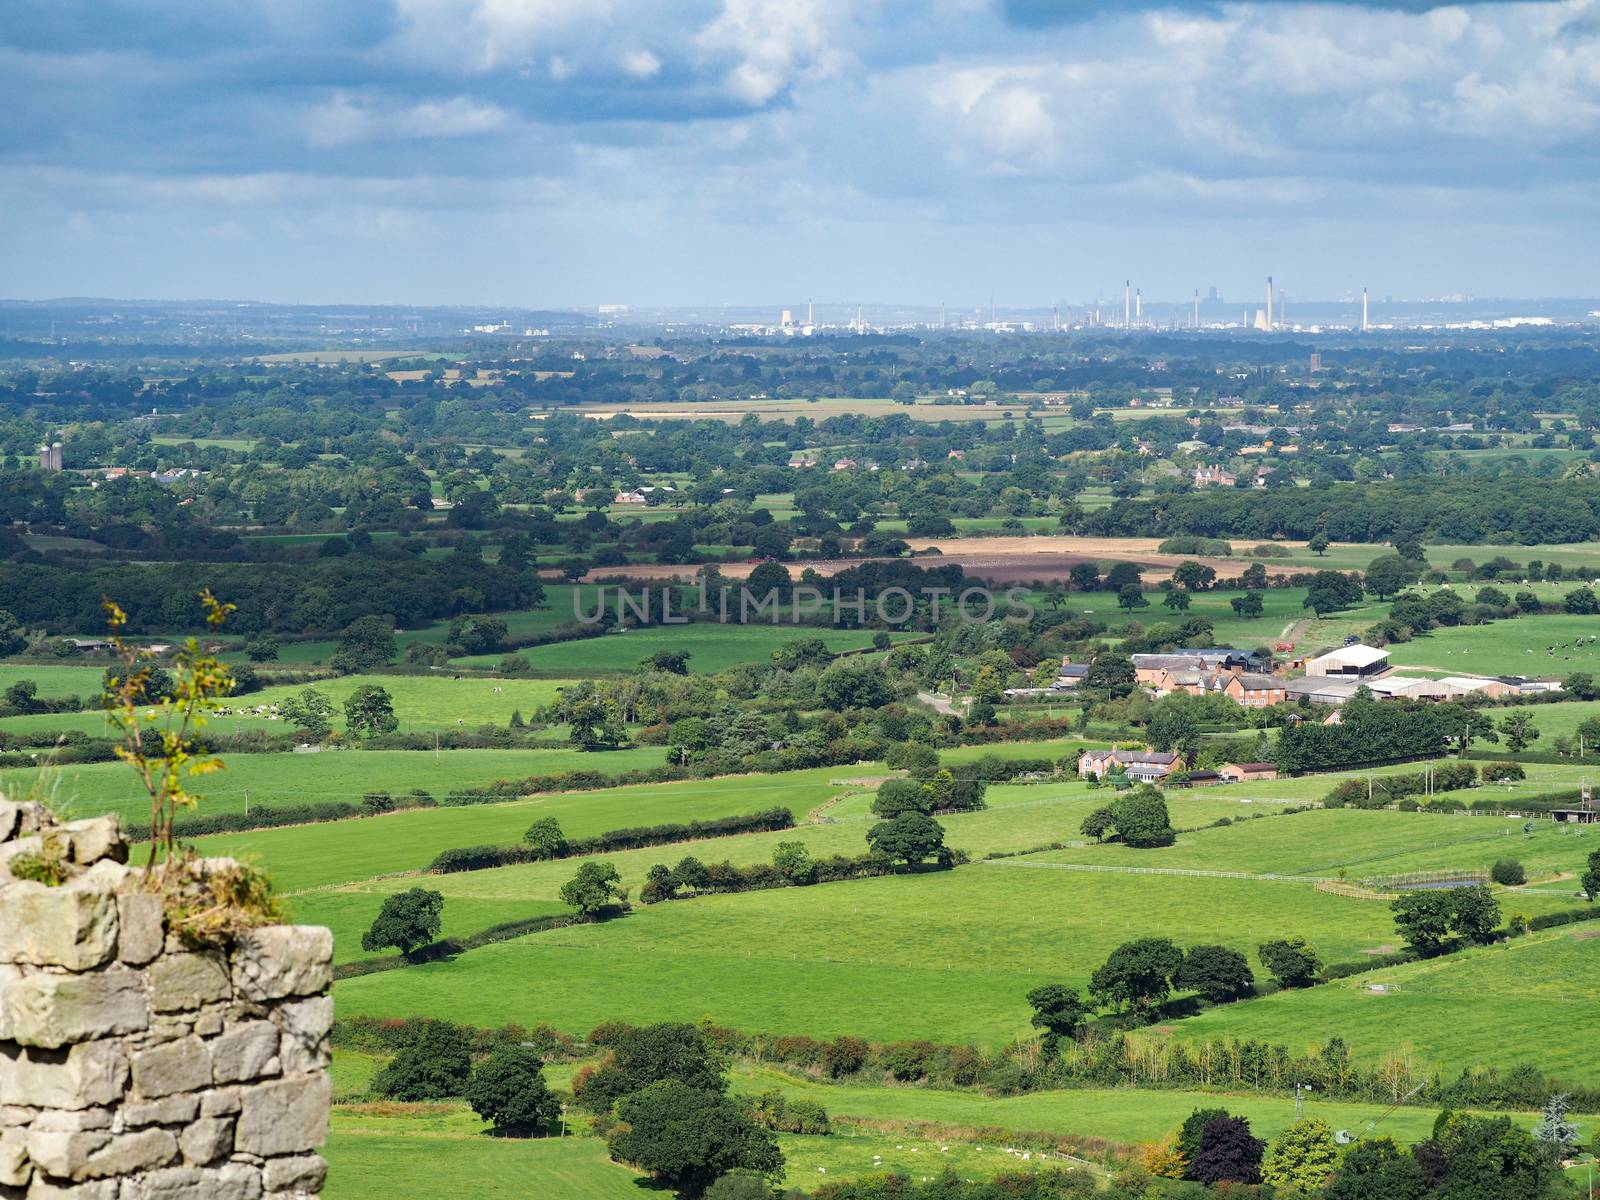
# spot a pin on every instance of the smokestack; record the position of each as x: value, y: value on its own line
x: 1127, y: 304
x: 1197, y: 308
x: 1138, y: 304
x: 1269, y: 302
x: 808, y: 312
x: 1363, y: 310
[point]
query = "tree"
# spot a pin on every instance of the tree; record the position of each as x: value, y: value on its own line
x: 435, y: 1064
x: 310, y: 711
x: 1122, y: 574
x: 1084, y: 577
x: 1248, y: 605
x: 262, y: 648
x: 1218, y: 973
x: 508, y: 1090
x: 593, y: 889
x: 1301, y: 1158
x: 1137, y: 975
x: 22, y: 696
x: 1590, y: 879
x: 1254, y: 577
x: 1228, y: 1153
x: 12, y: 638
x: 1376, y: 1169
x: 1172, y: 727
x: 1519, y: 729
x: 685, y: 1137
x: 1176, y: 599
x: 1331, y: 591
x: 1099, y: 824
x: 1555, y: 1134
x: 671, y: 662
x: 1427, y: 918
x: 407, y: 920
x: 1130, y: 597
x: 794, y: 862
x: 596, y: 724
x: 649, y: 1054
x: 1141, y: 818
x: 1110, y: 672
x: 1194, y: 576
x: 911, y: 837
x: 1292, y: 961
x: 1489, y: 1158
x: 1318, y: 543
x: 369, y: 711
x: 1189, y: 1133
x: 1390, y: 574
x: 366, y: 642
x: 545, y: 839
x: 1581, y: 602
x: 1059, y: 1011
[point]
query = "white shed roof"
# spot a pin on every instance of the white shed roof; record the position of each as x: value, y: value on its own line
x: 1353, y: 656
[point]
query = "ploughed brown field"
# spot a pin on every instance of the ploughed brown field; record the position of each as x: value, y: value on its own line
x: 997, y: 559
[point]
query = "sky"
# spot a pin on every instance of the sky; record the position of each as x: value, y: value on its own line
x: 569, y: 153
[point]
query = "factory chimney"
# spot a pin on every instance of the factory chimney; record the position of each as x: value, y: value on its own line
x: 1269, y: 303
x: 1363, y: 310
x: 1127, y: 304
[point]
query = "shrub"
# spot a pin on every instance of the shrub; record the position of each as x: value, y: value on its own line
x: 437, y: 1065
x: 1504, y: 772
x: 1508, y: 872
x: 844, y: 1056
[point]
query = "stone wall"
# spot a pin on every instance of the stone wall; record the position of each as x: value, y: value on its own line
x: 136, y: 1067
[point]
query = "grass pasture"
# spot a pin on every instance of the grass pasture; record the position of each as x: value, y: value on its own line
x: 946, y: 956
x: 1530, y: 1000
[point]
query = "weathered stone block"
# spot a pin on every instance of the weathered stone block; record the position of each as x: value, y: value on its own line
x: 183, y: 1065
x: 96, y: 838
x: 48, y: 1189
x: 73, y: 926
x: 89, y: 1075
x: 70, y: 1121
x: 142, y: 932
x: 303, y: 1173
x: 220, y: 1102
x: 10, y: 818
x: 207, y: 1140
x: 232, y: 1181
x: 96, y: 1155
x: 306, y: 1025
x: 283, y: 960
x: 187, y: 981
x: 169, y: 1110
x: 285, y: 1116
x: 15, y: 1166
x: 247, y: 1051
x: 38, y: 1009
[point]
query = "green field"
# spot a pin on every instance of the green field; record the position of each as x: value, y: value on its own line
x: 287, y: 779
x: 1541, y: 646
x: 1530, y: 1000
x: 946, y: 956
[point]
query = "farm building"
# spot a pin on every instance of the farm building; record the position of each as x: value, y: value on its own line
x: 1351, y: 661
x: 1144, y: 766
x: 1318, y: 689
x: 1465, y: 685
x: 1246, y: 772
x: 1204, y: 779
x: 1409, y: 687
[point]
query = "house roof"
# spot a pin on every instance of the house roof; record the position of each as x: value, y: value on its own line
x: 1354, y: 656
x: 1259, y: 683
x: 1253, y: 767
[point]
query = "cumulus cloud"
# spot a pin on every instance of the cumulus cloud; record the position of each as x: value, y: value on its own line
x: 715, y: 124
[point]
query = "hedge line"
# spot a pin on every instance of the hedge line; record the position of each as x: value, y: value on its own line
x: 479, y: 858
x: 450, y: 947
x: 724, y: 878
